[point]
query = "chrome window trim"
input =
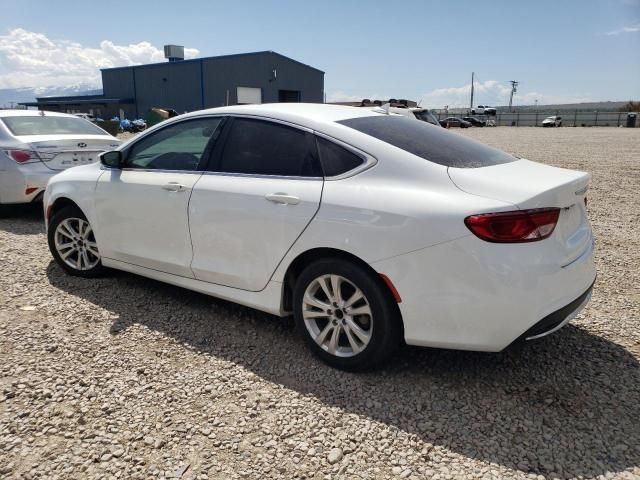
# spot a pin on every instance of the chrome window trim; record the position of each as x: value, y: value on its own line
x: 271, y: 119
x: 164, y: 124
x: 140, y: 137
x: 147, y: 170
x: 200, y: 172
x: 261, y: 175
x: 369, y: 160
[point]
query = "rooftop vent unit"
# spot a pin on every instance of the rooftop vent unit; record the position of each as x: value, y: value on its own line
x: 174, y: 53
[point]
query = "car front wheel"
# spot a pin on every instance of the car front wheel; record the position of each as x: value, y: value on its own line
x: 73, y: 244
x: 346, y: 314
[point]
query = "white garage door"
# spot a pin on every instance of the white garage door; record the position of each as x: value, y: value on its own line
x: 249, y: 95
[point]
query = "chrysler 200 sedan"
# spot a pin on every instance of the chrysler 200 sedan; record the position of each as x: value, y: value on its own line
x: 372, y: 229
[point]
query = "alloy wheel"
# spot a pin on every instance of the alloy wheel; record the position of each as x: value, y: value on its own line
x: 337, y: 315
x: 76, y: 244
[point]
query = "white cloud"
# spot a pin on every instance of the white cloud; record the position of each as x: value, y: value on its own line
x: 633, y: 28
x: 492, y: 92
x: 30, y: 59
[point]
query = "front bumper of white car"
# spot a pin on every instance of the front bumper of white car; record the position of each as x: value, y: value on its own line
x: 469, y: 295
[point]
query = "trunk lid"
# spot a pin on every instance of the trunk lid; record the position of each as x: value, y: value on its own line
x: 59, y: 152
x: 528, y: 185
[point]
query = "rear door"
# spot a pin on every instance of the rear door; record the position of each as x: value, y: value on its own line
x: 142, y: 208
x: 262, y: 189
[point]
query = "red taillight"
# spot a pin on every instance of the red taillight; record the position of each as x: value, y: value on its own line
x: 514, y: 227
x: 20, y: 156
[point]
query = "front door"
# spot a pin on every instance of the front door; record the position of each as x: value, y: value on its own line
x: 141, y: 209
x: 261, y: 192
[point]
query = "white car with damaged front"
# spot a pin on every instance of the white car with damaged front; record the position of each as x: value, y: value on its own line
x: 370, y: 228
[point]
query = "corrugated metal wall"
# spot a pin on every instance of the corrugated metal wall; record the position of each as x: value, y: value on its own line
x: 118, y: 83
x: 227, y: 73
x: 196, y: 84
x: 171, y: 85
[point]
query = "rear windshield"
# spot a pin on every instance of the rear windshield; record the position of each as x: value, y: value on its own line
x: 44, y: 125
x: 432, y: 143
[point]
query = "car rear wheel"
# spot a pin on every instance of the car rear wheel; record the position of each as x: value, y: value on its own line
x: 346, y: 314
x: 73, y: 244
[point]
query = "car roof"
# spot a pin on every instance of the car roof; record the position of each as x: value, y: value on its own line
x: 304, y: 113
x: 32, y: 113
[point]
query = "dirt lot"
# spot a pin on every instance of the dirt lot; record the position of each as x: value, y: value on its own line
x: 127, y: 378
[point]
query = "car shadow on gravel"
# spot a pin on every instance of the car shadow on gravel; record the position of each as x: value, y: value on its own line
x: 22, y: 219
x: 568, y: 405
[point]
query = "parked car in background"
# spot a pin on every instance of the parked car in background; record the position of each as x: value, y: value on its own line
x: 553, y: 121
x: 455, y: 122
x: 483, y: 110
x: 355, y: 221
x: 476, y: 122
x: 35, y: 145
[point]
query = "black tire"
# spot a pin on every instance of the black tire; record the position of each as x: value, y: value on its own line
x: 385, y: 321
x: 66, y: 213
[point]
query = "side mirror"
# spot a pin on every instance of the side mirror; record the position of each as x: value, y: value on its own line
x: 112, y: 159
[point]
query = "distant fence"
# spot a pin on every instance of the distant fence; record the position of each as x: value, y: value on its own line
x: 575, y: 118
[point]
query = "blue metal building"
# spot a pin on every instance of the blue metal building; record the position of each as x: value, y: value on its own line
x: 187, y: 85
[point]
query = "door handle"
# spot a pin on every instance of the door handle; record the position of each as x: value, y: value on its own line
x: 174, y: 187
x: 282, y: 199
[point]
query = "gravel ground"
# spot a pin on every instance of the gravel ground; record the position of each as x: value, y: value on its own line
x: 126, y: 378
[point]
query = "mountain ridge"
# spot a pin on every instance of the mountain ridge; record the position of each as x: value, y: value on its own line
x: 9, y: 97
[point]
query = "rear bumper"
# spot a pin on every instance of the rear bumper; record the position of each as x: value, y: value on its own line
x: 471, y: 295
x: 558, y: 319
x: 24, y: 185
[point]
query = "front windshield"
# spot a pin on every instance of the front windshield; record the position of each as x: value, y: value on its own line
x: 51, y: 125
x: 426, y: 116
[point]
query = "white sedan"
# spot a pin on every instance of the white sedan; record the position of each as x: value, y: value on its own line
x: 34, y: 146
x: 370, y: 228
x: 553, y: 121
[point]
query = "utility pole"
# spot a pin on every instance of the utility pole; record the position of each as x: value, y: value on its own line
x: 471, y: 106
x: 514, y: 89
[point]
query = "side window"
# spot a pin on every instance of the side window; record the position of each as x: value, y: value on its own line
x: 265, y: 148
x: 335, y: 159
x: 177, y: 147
